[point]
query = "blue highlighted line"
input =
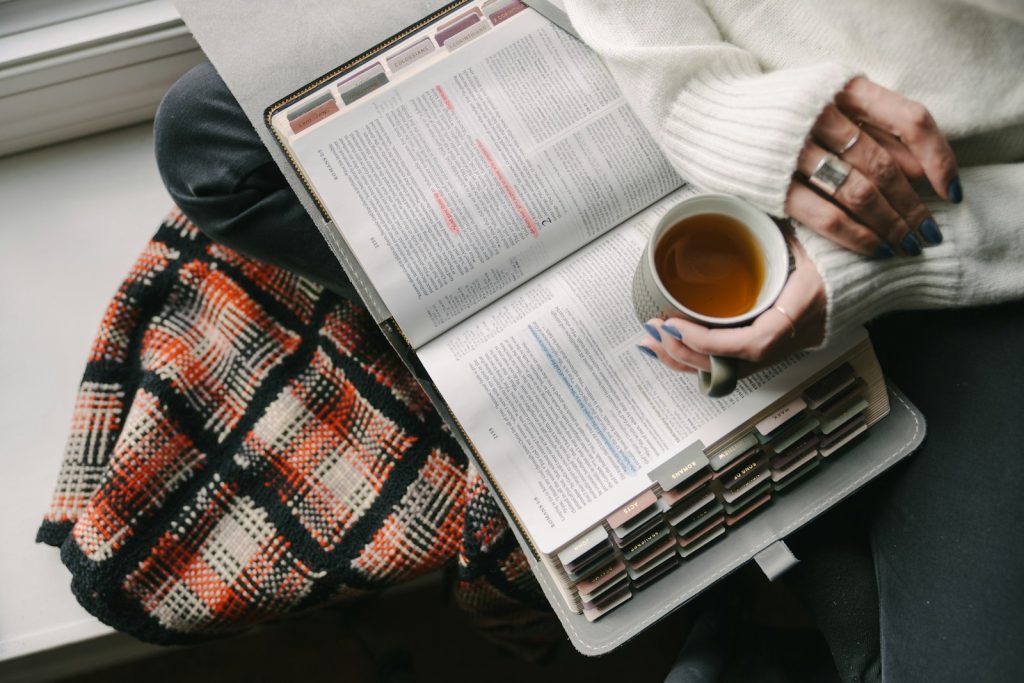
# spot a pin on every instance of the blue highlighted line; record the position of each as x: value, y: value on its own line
x: 626, y: 462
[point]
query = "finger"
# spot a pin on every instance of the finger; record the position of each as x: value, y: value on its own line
x: 803, y: 304
x: 775, y: 334
x: 672, y: 342
x: 792, y: 324
x: 862, y: 152
x: 912, y: 123
x: 928, y: 228
x: 898, y: 151
x: 863, y: 199
x: 831, y: 222
x: 653, y: 349
x: 745, y: 343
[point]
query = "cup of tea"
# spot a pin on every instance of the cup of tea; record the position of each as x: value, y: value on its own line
x: 718, y: 261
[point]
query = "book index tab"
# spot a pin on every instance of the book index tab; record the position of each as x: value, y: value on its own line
x: 681, y: 467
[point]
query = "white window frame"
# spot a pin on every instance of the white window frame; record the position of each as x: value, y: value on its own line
x: 18, y: 16
x: 98, y: 66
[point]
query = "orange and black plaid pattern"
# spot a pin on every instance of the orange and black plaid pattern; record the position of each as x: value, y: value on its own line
x: 246, y: 444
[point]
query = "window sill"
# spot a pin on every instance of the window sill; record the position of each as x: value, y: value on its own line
x: 90, y: 74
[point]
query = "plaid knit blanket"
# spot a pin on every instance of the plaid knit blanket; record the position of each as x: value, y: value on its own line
x: 246, y: 444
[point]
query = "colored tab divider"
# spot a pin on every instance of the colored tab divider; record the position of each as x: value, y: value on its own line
x: 680, y: 467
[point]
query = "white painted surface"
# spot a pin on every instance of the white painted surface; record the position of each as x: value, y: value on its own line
x: 73, y: 31
x: 95, y: 71
x: 73, y: 218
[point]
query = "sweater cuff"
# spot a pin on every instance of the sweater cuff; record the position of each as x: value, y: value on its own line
x: 739, y: 131
x: 859, y: 289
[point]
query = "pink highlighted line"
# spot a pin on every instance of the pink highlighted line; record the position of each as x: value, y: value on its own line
x: 446, y: 213
x: 513, y: 196
x: 444, y: 98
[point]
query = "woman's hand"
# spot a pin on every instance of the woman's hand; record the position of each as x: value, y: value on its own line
x: 875, y: 211
x: 685, y: 346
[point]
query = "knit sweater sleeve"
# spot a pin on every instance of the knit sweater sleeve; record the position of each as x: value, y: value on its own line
x: 980, y: 261
x: 723, y: 123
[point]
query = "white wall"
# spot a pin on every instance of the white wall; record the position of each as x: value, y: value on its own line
x: 73, y: 217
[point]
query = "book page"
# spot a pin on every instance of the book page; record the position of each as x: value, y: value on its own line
x: 567, y: 415
x: 489, y: 159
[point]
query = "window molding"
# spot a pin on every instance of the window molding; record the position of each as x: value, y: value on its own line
x: 18, y: 16
x: 89, y: 74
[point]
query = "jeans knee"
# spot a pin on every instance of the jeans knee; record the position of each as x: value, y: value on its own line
x: 180, y: 136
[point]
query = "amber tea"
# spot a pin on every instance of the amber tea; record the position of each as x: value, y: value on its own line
x: 711, y: 264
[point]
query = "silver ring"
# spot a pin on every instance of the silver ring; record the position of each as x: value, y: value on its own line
x: 789, y: 319
x: 830, y: 173
x: 850, y: 143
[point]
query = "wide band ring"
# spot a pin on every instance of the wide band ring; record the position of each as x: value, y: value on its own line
x: 829, y: 174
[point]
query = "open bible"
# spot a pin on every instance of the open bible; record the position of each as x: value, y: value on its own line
x: 489, y: 193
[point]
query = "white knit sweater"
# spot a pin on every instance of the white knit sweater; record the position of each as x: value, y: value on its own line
x: 731, y: 88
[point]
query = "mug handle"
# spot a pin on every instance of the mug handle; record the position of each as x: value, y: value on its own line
x: 721, y: 381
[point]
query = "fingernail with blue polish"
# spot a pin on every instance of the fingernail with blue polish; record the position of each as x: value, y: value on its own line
x: 672, y: 332
x: 647, y: 351
x: 884, y: 251
x: 955, y: 191
x: 653, y: 331
x: 930, y: 231
x: 910, y: 245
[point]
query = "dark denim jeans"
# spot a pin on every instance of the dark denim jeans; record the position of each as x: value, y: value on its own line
x: 218, y: 172
x: 920, y: 575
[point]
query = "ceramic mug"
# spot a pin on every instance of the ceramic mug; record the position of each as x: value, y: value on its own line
x: 651, y: 299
